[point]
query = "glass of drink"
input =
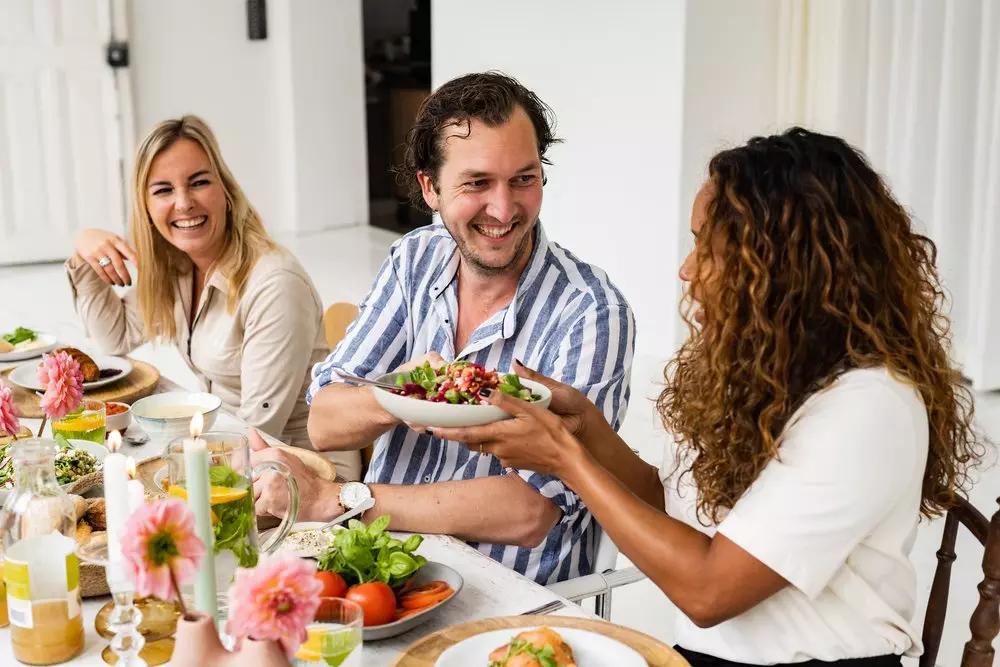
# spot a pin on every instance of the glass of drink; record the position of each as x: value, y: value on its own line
x: 334, y: 637
x: 86, y: 423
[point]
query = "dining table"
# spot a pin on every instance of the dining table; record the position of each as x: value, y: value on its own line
x: 490, y: 589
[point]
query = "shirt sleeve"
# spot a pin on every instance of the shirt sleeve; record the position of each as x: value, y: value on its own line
x: 842, y: 468
x: 282, y: 321
x: 595, y: 357
x: 113, y: 322
x: 375, y: 343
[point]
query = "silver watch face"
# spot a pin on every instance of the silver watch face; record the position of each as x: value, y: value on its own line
x: 353, y: 494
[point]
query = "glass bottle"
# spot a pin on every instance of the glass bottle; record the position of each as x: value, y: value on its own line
x: 41, y: 569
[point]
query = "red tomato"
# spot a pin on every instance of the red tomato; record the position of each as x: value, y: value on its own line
x: 376, y: 600
x: 333, y: 585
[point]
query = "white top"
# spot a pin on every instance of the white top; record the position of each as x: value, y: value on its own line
x: 836, y: 516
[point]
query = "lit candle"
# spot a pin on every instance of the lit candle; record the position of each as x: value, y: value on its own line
x: 136, y: 494
x: 116, y: 508
x: 199, y: 499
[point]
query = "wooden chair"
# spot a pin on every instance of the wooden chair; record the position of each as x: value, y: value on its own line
x: 336, y: 320
x: 985, y: 622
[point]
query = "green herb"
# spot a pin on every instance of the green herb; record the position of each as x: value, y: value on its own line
x: 235, y: 518
x: 544, y: 655
x: 20, y: 335
x: 362, y: 554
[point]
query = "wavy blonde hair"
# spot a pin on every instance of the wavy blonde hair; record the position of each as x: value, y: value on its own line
x: 820, y: 271
x: 160, y: 263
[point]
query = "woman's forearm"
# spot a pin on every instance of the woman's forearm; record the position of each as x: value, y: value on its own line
x: 613, y: 454
x: 710, y: 580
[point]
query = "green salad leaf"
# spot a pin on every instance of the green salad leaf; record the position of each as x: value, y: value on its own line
x: 361, y: 554
x: 544, y: 655
x: 20, y: 335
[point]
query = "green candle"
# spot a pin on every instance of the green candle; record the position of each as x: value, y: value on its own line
x: 199, y: 499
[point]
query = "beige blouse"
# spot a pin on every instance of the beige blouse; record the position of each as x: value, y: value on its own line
x: 257, y: 359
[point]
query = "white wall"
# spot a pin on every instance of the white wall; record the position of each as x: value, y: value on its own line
x: 288, y: 111
x: 613, y: 74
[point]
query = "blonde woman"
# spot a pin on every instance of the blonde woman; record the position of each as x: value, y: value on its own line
x: 240, y: 309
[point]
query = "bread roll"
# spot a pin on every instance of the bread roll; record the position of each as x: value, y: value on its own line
x: 96, y: 514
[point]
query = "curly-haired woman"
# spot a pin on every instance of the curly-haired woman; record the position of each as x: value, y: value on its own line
x: 815, y: 411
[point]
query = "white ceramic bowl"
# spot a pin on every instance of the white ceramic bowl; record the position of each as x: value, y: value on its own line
x: 168, y: 428
x: 120, y: 421
x: 447, y: 415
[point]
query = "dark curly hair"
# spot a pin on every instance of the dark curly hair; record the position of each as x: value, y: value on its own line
x: 489, y: 97
x: 820, y: 272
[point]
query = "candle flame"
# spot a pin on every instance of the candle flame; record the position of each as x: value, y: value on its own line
x: 197, y: 424
x: 130, y: 466
x: 114, y: 442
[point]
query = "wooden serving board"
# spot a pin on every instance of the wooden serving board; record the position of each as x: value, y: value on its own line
x: 426, y: 652
x: 141, y: 382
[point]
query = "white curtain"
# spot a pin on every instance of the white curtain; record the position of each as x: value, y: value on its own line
x: 915, y: 84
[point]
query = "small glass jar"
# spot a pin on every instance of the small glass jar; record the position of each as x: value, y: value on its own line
x: 41, y: 569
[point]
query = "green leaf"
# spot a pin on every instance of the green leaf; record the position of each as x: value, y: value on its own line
x: 452, y: 396
x: 378, y: 526
x: 413, y: 543
x: 224, y: 476
x: 20, y: 335
x: 402, y: 564
x: 355, y: 525
x: 509, y: 390
x: 512, y: 380
x: 402, y: 379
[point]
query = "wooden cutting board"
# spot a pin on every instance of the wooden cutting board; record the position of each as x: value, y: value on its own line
x: 141, y: 382
x: 425, y: 653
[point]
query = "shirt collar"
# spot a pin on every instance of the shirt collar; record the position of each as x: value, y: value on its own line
x: 532, y: 272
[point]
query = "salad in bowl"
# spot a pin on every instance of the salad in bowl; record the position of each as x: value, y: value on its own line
x: 448, y: 396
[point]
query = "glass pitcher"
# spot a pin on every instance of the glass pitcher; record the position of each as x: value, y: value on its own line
x: 41, y: 570
x: 230, y: 475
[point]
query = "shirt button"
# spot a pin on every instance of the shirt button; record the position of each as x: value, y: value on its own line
x: 427, y: 478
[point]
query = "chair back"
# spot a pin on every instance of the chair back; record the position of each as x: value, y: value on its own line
x: 336, y: 320
x: 985, y: 621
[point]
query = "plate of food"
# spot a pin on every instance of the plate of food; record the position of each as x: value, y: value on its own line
x: 397, y: 588
x: 448, y: 396
x: 23, y: 343
x: 98, y: 371
x: 540, y: 647
x: 75, y: 460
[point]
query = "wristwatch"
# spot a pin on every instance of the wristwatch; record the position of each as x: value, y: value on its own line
x: 353, y: 494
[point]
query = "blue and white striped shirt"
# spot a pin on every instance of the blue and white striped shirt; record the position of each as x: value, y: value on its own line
x: 567, y: 320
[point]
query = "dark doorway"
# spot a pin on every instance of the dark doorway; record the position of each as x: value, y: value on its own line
x: 397, y: 35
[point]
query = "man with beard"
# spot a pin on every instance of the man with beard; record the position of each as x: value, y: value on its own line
x: 484, y: 285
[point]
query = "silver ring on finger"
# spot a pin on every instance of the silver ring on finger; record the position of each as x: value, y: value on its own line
x: 104, y: 261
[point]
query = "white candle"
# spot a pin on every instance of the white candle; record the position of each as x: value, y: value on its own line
x: 196, y: 463
x: 116, y: 506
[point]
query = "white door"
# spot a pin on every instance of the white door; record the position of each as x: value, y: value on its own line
x: 60, y: 129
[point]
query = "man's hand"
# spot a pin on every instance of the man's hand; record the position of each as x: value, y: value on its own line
x: 318, y: 498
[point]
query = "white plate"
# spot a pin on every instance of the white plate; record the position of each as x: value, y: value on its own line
x: 589, y: 648
x: 446, y: 415
x: 99, y: 452
x: 26, y: 375
x: 50, y: 343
